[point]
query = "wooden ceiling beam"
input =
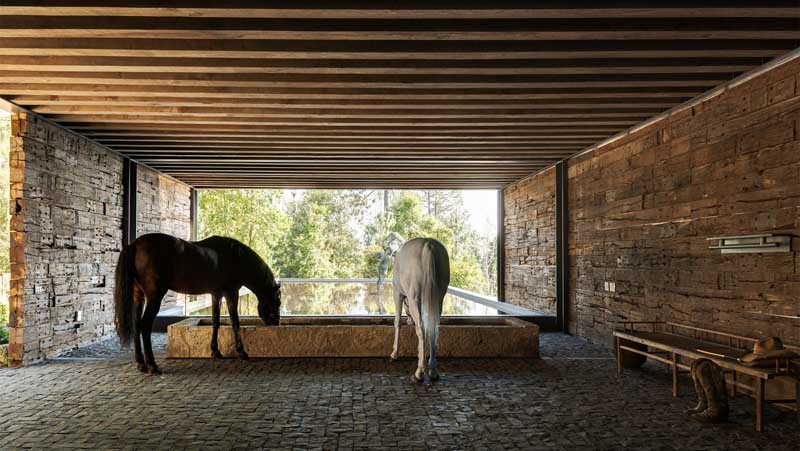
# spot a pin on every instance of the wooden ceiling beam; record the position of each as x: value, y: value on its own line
x: 420, y: 122
x: 384, y: 104
x: 380, y: 94
x: 438, y: 113
x: 372, y: 66
x: 351, y: 9
x: 90, y: 129
x: 401, y: 49
x: 124, y: 136
x: 300, y: 144
x: 250, y: 148
x: 487, y: 158
x: 75, y: 27
x: 357, y: 81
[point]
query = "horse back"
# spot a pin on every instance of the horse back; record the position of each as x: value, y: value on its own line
x: 413, y: 269
x: 167, y: 262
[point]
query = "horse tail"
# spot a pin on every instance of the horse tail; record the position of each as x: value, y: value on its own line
x: 123, y: 295
x: 433, y: 288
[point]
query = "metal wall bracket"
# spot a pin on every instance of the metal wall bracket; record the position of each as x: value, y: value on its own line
x: 745, y: 244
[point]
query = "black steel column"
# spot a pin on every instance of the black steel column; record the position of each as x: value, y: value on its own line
x: 501, y: 247
x: 193, y: 214
x: 562, y: 248
x: 129, y: 176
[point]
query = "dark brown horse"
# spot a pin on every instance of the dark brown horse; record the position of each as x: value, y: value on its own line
x: 218, y: 266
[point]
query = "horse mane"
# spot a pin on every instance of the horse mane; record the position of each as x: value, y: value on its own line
x: 250, y: 258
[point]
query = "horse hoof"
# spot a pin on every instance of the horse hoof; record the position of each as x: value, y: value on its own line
x: 243, y: 356
x: 415, y: 379
x: 153, y: 370
x: 393, y: 358
x: 434, y: 376
x: 141, y: 367
x: 216, y: 354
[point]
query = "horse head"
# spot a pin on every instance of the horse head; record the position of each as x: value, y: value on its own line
x: 269, y: 305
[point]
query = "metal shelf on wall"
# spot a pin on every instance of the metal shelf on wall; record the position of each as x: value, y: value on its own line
x: 743, y: 244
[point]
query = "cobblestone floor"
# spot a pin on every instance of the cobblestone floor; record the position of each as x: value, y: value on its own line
x: 572, y: 399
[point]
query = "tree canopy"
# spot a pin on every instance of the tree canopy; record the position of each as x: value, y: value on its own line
x: 339, y: 233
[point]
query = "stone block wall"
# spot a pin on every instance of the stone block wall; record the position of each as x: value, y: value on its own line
x: 66, y: 199
x: 66, y: 235
x: 642, y: 207
x: 163, y: 205
x: 530, y: 241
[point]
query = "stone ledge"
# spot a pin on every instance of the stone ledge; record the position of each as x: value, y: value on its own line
x: 355, y: 337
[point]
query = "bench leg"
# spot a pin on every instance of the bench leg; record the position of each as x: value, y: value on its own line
x: 759, y: 389
x: 619, y: 357
x: 733, y: 384
x: 674, y: 375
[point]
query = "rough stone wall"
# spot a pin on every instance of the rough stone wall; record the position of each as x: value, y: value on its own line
x: 163, y: 205
x: 641, y: 209
x: 66, y: 204
x: 530, y: 240
x: 66, y: 234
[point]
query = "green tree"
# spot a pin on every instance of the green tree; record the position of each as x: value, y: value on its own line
x: 408, y: 215
x: 251, y: 216
x: 339, y: 234
x: 321, y: 242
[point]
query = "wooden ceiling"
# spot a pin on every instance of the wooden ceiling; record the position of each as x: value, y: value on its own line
x: 455, y: 94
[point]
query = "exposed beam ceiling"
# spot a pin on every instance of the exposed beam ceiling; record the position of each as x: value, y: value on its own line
x: 352, y: 93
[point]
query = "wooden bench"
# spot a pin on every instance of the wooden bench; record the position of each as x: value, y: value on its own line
x: 677, y: 345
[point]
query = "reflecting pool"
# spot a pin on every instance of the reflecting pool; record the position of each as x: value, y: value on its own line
x: 344, y: 298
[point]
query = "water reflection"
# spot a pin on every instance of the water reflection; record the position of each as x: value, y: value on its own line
x: 346, y: 299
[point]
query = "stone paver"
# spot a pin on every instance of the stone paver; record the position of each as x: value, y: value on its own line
x: 571, y: 399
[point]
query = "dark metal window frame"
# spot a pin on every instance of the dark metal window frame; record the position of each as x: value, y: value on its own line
x: 501, y: 246
x: 562, y: 247
x: 129, y: 178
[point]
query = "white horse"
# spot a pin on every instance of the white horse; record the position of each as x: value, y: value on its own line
x: 420, y: 280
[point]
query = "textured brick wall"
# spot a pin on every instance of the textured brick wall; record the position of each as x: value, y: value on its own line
x: 163, y: 205
x: 66, y: 233
x: 642, y: 207
x: 530, y: 227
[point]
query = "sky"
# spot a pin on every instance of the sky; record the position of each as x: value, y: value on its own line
x: 482, y: 207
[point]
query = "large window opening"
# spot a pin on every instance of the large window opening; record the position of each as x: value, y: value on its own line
x: 331, y: 247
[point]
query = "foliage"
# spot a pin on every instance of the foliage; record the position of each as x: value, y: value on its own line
x: 442, y: 218
x: 339, y: 234
x: 249, y: 215
x: 320, y: 241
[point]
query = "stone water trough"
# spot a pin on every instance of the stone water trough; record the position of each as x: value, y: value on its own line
x: 325, y: 336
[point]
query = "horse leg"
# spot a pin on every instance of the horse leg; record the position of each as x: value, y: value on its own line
x: 398, y: 311
x: 409, y: 320
x: 138, y: 303
x: 413, y: 309
x: 150, y: 312
x: 215, y: 329
x: 433, y: 336
x: 232, y: 299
